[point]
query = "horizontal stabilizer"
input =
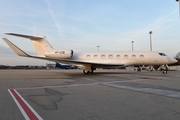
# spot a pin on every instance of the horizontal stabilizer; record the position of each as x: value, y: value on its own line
x: 26, y: 36
x: 17, y: 50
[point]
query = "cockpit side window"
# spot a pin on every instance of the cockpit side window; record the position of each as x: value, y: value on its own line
x: 162, y: 54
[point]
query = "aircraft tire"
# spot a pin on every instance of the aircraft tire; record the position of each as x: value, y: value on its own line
x: 164, y: 72
x: 86, y: 71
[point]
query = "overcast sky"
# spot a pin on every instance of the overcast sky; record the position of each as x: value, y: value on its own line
x: 82, y: 25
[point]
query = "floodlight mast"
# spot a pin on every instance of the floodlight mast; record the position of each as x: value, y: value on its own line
x: 150, y: 33
x: 98, y: 47
x: 132, y: 45
x: 179, y: 6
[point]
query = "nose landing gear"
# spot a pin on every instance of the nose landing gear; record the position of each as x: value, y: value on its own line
x: 164, y: 68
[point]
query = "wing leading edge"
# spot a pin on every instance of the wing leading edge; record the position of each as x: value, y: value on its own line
x: 26, y: 36
x: 20, y: 52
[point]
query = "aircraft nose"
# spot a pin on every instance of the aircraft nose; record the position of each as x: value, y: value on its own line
x: 173, y: 60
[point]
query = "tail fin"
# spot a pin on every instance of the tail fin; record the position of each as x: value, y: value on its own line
x: 40, y: 43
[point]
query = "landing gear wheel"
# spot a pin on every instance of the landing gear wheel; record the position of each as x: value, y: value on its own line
x: 164, y: 72
x: 85, y: 71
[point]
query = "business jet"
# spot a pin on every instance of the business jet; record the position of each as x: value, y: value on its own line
x: 89, y: 61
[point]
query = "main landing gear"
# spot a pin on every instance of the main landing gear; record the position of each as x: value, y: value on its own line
x: 150, y: 68
x: 86, y: 71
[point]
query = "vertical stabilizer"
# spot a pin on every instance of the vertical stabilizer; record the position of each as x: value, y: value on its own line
x: 40, y: 43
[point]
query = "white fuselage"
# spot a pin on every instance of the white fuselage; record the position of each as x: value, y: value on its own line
x: 126, y: 58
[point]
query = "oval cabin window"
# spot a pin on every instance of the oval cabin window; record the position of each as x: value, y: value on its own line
x: 126, y: 56
x: 88, y: 56
x: 95, y: 56
x: 103, y: 56
x: 133, y: 56
x: 110, y: 56
x: 141, y: 56
x: 118, y: 56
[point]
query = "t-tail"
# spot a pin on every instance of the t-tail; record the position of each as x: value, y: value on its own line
x: 43, y: 48
x: 40, y: 43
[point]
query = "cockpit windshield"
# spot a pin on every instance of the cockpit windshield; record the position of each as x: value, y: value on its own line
x: 162, y: 54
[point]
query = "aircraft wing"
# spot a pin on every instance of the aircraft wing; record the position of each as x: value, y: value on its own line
x: 66, y: 61
x: 20, y: 52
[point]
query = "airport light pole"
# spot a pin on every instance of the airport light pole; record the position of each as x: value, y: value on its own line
x: 179, y: 6
x: 150, y: 33
x: 132, y: 45
x: 98, y: 47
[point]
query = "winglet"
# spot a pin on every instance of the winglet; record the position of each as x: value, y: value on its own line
x: 17, y: 50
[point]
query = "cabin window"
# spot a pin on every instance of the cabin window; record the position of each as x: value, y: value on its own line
x: 141, y: 56
x: 133, y: 56
x: 95, y: 56
x: 126, y: 56
x: 88, y: 56
x: 103, y: 56
x: 110, y: 56
x: 118, y: 56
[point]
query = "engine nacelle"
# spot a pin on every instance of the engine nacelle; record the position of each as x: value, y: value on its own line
x: 63, y: 54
